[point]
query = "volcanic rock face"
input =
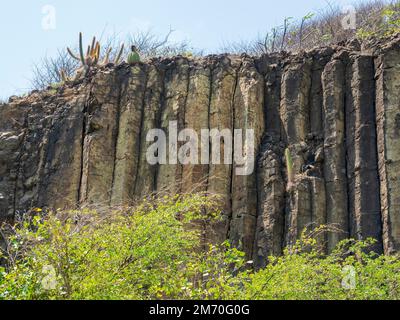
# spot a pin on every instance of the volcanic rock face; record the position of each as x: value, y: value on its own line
x: 335, y: 109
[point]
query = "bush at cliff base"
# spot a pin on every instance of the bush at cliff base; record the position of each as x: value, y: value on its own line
x: 157, y: 251
x: 150, y: 252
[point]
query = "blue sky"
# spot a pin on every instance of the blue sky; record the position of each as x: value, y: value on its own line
x: 206, y: 24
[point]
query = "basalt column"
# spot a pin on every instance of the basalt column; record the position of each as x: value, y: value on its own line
x: 177, y: 75
x: 129, y: 128
x: 221, y: 118
x: 334, y: 88
x: 361, y: 145
x: 145, y: 183
x: 248, y: 114
x: 271, y: 186
x: 295, y: 110
x: 100, y: 139
x: 388, y: 128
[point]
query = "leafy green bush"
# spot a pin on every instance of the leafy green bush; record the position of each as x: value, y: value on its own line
x: 350, y: 272
x: 151, y: 252
x: 388, y: 25
x: 157, y: 251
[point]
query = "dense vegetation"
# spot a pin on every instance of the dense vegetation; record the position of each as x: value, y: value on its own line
x: 156, y: 251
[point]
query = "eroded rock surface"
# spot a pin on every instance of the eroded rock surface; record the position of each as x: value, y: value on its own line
x: 337, y: 110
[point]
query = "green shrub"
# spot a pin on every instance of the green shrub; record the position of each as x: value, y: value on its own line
x: 350, y: 272
x: 156, y: 251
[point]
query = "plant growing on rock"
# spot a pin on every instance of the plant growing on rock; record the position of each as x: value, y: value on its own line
x: 286, y: 25
x: 391, y: 20
x: 133, y: 56
x: 92, y: 54
x: 307, y: 17
x: 64, y: 77
x: 289, y: 166
x: 47, y: 70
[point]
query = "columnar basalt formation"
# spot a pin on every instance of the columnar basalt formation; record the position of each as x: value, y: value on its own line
x: 336, y: 110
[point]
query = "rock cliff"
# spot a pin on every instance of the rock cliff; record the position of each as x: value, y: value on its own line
x: 337, y: 109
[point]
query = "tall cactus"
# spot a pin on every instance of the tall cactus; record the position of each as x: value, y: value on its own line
x: 92, y: 54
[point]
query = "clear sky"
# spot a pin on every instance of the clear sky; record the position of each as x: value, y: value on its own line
x: 206, y: 24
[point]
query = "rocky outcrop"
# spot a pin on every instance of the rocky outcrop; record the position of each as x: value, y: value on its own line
x: 335, y: 109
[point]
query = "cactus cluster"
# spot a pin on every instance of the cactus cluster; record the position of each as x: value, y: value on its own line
x: 63, y: 76
x: 92, y: 56
x: 289, y: 165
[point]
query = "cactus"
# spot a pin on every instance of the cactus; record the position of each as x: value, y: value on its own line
x: 92, y: 54
x: 133, y: 56
x: 289, y: 165
x: 106, y: 59
x: 119, y: 55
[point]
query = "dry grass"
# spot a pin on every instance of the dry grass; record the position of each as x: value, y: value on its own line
x: 322, y: 29
x: 314, y: 30
x: 47, y: 71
